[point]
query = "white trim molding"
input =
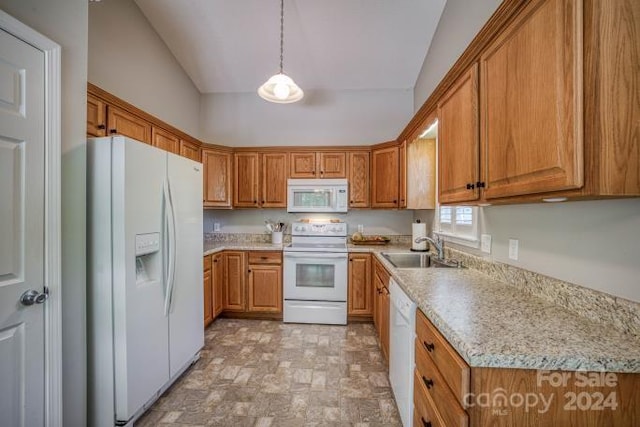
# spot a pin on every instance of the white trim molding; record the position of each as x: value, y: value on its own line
x: 53, y: 253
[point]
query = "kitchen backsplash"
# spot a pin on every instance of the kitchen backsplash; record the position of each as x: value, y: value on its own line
x: 251, y: 221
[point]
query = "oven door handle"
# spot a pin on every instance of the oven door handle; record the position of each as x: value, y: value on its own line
x: 315, y: 255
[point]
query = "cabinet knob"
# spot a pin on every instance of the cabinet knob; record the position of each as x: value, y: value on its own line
x: 470, y: 186
x: 248, y: 271
x: 101, y: 127
x: 428, y: 346
x: 427, y: 382
x: 425, y: 423
x: 215, y: 260
x: 313, y: 172
x: 350, y: 201
x: 480, y: 184
x: 255, y: 202
x: 113, y: 131
x: 395, y: 201
x: 262, y: 202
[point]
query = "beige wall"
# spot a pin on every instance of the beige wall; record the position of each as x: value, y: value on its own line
x: 321, y: 118
x: 130, y: 60
x: 65, y: 22
x: 593, y: 244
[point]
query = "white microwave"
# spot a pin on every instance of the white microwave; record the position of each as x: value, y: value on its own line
x: 317, y: 195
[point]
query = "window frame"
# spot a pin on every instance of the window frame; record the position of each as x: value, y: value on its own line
x: 470, y: 239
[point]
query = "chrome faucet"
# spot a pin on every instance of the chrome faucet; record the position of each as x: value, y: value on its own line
x: 438, y: 244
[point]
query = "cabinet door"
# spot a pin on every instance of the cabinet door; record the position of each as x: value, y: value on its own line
x: 234, y: 281
x: 245, y: 183
x: 165, y: 140
x: 332, y: 165
x: 217, y: 178
x: 274, y: 180
x: 190, y: 150
x: 218, y: 283
x: 96, y: 116
x: 421, y: 173
x: 402, y: 174
x: 359, y: 179
x: 302, y: 165
x: 458, y: 144
x: 384, y: 174
x: 384, y: 322
x: 532, y: 102
x: 265, y: 288
x: 360, y: 299
x: 207, y: 296
x: 121, y: 122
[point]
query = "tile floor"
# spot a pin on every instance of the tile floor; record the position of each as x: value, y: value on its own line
x: 267, y: 373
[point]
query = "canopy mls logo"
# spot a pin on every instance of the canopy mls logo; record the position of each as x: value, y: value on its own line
x: 502, y: 403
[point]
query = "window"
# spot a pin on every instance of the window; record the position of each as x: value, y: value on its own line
x: 458, y: 224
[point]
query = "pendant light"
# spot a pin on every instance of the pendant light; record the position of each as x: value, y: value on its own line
x: 281, y: 88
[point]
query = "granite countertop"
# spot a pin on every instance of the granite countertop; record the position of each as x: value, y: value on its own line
x: 493, y: 324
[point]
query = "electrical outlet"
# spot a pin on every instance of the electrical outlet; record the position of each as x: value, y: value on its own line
x: 361, y: 228
x: 216, y: 226
x: 485, y: 243
x: 513, y: 249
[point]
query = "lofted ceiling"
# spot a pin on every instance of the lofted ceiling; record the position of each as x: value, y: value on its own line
x: 228, y: 46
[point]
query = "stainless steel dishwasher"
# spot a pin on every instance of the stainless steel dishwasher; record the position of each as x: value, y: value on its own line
x: 402, y: 332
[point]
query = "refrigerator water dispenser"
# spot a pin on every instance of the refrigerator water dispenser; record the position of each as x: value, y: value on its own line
x: 147, y: 257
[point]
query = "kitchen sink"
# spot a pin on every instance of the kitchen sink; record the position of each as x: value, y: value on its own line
x: 418, y: 260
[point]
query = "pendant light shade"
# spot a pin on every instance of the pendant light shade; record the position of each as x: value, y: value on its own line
x: 281, y: 88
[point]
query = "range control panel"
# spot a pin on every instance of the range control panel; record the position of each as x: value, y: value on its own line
x: 319, y: 229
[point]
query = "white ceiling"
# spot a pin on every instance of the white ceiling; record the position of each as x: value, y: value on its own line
x: 233, y: 45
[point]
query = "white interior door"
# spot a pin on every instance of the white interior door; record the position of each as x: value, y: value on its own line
x: 22, y: 215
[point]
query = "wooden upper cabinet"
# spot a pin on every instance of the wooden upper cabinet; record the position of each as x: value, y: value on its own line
x: 217, y: 178
x: 246, y: 175
x: 421, y: 173
x: 318, y: 165
x: 124, y: 123
x: 190, y: 150
x: 274, y: 180
x: 402, y: 174
x: 165, y: 140
x: 359, y: 179
x: 332, y: 165
x: 531, y: 102
x: 96, y: 116
x: 458, y: 144
x: 303, y: 165
x: 384, y: 177
x: 360, y: 298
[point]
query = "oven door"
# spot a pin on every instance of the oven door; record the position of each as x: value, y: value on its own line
x: 315, y: 276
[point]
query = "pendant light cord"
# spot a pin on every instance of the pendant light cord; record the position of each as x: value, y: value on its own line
x: 281, y: 34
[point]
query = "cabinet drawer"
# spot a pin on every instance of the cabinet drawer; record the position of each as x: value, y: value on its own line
x: 449, y: 407
x: 453, y: 369
x: 425, y: 413
x: 207, y: 263
x: 264, y: 257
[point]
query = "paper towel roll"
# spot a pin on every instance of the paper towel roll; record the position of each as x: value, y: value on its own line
x: 418, y: 230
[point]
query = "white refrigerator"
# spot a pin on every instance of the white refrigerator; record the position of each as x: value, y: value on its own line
x: 144, y: 294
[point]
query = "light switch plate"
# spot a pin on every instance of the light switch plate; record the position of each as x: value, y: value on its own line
x: 513, y: 249
x: 485, y: 243
x: 216, y: 226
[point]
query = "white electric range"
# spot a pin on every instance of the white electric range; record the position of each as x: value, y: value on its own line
x: 315, y: 273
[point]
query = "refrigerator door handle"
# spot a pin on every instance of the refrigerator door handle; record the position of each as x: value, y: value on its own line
x: 171, y: 247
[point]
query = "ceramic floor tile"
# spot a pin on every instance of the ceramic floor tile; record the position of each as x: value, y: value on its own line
x: 271, y: 374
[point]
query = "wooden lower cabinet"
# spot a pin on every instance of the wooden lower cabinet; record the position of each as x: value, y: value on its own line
x: 265, y: 288
x: 207, y: 291
x: 381, y: 305
x: 233, y: 291
x: 360, y: 295
x: 447, y: 392
x: 264, y: 283
x: 218, y: 282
